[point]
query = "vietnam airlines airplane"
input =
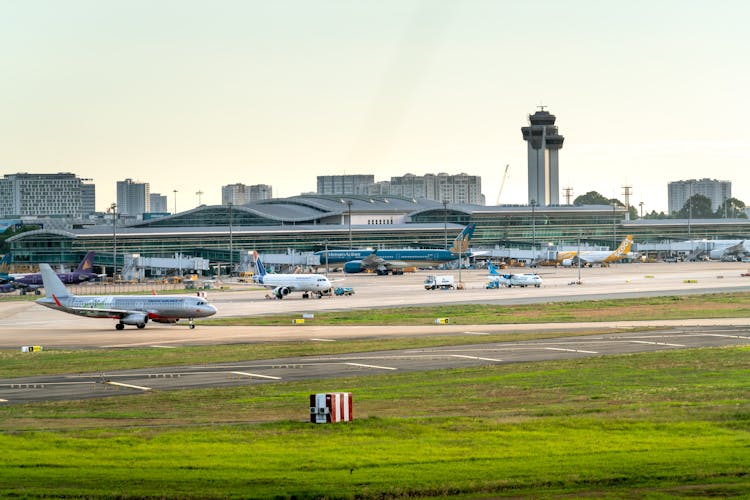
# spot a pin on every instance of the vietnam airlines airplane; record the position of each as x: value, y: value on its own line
x: 284, y: 284
x: 128, y: 309
x: 393, y: 261
x: 602, y: 257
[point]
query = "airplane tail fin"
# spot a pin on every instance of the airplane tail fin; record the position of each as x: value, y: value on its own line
x: 461, y: 243
x: 492, y: 268
x: 5, y: 262
x: 53, y: 286
x: 87, y: 264
x: 260, y: 270
x: 624, y: 247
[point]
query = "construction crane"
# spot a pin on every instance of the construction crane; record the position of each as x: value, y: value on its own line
x: 502, y: 184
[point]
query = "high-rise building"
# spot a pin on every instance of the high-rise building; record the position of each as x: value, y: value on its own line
x: 239, y: 194
x: 61, y: 194
x: 344, y: 184
x: 88, y: 197
x: 679, y: 192
x: 461, y: 188
x: 158, y: 203
x: 544, y: 144
x: 133, y: 198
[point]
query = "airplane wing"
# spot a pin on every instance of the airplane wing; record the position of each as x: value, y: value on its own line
x: 373, y: 262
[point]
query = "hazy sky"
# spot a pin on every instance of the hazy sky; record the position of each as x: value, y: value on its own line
x: 192, y: 95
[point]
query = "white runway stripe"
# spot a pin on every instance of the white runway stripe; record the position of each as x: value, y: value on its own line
x: 256, y: 375
x: 476, y: 357
x: 570, y: 350
x: 655, y: 343
x: 129, y: 386
x: 372, y: 366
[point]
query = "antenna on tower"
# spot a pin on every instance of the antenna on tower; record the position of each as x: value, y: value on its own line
x: 199, y: 193
x: 568, y: 194
x: 626, y: 192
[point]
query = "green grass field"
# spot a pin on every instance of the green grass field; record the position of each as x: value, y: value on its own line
x: 717, y: 305
x: 653, y: 425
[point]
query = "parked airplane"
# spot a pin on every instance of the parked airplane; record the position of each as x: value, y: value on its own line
x: 33, y: 281
x: 728, y: 250
x: 128, y: 309
x: 284, y: 284
x: 591, y: 257
x: 511, y: 280
x: 394, y: 261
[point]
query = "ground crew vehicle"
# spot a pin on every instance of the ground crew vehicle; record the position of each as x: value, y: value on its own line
x: 343, y: 290
x: 445, y: 282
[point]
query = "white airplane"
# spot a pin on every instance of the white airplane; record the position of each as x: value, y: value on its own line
x: 128, y: 309
x: 284, y: 284
x: 511, y: 280
x: 602, y: 257
x: 730, y: 250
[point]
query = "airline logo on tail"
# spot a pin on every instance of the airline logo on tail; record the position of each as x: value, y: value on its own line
x: 622, y: 250
x: 260, y: 270
x: 461, y: 243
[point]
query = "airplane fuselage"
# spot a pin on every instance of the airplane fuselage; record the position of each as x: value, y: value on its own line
x: 414, y: 256
x: 154, y: 307
x: 296, y: 282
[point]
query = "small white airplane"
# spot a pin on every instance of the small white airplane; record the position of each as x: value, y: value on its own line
x: 284, y: 284
x: 729, y: 250
x: 602, y: 257
x: 128, y: 309
x: 511, y: 280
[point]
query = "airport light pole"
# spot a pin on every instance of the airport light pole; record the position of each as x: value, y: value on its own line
x: 113, y: 209
x: 533, y: 230
x: 231, y: 246
x: 349, y: 205
x: 175, y: 200
x: 578, y: 258
x: 326, y: 243
x: 445, y: 222
x: 614, y: 224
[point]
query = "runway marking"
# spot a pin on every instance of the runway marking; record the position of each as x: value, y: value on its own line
x: 475, y: 357
x: 372, y: 366
x: 164, y: 346
x: 256, y: 375
x: 476, y: 333
x: 3, y: 400
x: 570, y: 350
x: 324, y: 340
x: 726, y: 336
x: 656, y: 343
x: 129, y: 386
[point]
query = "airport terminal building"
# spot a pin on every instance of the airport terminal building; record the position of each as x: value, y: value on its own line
x: 309, y: 223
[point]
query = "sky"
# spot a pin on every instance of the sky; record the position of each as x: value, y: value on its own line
x: 191, y: 95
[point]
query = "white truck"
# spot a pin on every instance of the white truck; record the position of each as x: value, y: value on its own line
x: 445, y: 282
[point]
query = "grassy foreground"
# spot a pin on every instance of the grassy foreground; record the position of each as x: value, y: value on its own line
x: 670, y: 423
x: 717, y: 305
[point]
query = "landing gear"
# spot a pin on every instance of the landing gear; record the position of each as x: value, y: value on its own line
x: 320, y: 295
x: 192, y: 325
x: 120, y: 326
x: 141, y: 325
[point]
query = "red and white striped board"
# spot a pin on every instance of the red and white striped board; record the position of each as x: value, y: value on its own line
x: 326, y: 408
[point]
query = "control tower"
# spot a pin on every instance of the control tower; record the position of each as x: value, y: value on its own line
x: 543, y: 143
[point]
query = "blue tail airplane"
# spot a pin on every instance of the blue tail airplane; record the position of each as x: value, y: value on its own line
x: 394, y: 261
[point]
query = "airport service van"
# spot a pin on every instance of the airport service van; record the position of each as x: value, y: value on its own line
x: 445, y: 282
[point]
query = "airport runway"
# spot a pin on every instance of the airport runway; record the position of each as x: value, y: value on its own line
x: 82, y: 386
x: 25, y: 323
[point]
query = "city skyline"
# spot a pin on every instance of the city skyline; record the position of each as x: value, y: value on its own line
x: 189, y: 96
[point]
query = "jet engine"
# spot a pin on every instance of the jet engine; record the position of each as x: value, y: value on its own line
x: 281, y: 291
x: 567, y: 262
x: 353, y: 266
x: 135, y: 319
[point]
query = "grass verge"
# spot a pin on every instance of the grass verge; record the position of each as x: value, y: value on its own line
x: 718, y: 305
x: 655, y: 424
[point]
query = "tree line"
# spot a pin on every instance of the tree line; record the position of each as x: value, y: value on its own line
x: 696, y: 207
